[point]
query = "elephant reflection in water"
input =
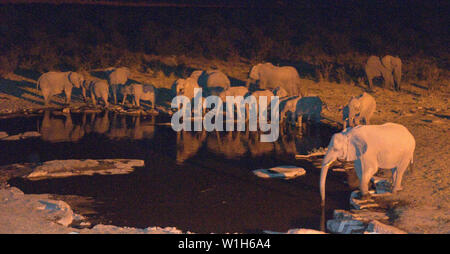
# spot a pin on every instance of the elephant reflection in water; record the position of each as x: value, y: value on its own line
x: 142, y: 129
x: 138, y: 130
x: 232, y: 145
x: 286, y: 144
x: 188, y: 144
x: 258, y: 148
x: 60, y: 129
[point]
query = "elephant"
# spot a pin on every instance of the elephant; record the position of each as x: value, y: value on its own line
x: 233, y: 91
x: 270, y: 77
x: 261, y: 93
x: 288, y: 108
x: 389, y: 67
x: 394, y: 65
x: 140, y: 92
x: 53, y: 83
x: 118, y: 77
x: 359, y: 110
x: 387, y: 146
x: 280, y: 92
x: 99, y: 89
x: 308, y: 108
x: 186, y: 87
x: 213, y: 81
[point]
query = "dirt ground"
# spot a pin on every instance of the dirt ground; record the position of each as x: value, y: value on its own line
x: 422, y: 207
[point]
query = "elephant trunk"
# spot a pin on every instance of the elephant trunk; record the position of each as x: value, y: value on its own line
x: 248, y: 82
x: 327, y: 161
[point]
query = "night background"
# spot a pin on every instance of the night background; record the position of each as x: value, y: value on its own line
x: 323, y: 53
x: 316, y: 34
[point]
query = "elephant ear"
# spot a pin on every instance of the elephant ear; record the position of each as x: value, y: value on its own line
x: 356, y: 147
x: 254, y: 72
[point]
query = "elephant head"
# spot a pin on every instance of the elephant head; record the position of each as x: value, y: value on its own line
x: 342, y: 147
x: 253, y: 74
x: 76, y: 79
x: 179, y: 86
x: 394, y: 66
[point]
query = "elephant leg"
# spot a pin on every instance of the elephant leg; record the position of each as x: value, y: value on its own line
x: 114, y: 90
x: 68, y: 92
x: 397, y: 175
x: 137, y: 100
x: 369, y: 79
x: 83, y: 91
x: 369, y: 167
x: 94, y: 100
x: 105, y: 100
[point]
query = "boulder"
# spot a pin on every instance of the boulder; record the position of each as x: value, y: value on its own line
x: 284, y: 172
x: 67, y: 168
x: 346, y: 226
x: 380, y: 228
x: 357, y: 203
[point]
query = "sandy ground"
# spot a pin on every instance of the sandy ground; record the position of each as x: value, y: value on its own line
x: 422, y: 206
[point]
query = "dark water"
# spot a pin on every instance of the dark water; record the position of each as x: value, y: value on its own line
x: 198, y: 182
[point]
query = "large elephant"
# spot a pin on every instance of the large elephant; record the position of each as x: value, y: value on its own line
x: 140, y: 92
x: 394, y: 65
x: 118, y: 77
x: 359, y: 110
x: 389, y: 67
x: 271, y: 77
x: 213, y: 81
x: 99, y: 89
x: 388, y: 146
x: 53, y: 83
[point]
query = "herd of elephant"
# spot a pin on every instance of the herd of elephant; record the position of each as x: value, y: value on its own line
x: 273, y: 80
x: 53, y: 83
x: 389, y: 146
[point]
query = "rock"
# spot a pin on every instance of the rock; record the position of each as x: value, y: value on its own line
x: 110, y: 229
x: 10, y: 194
x: 31, y: 134
x: 381, y: 186
x: 380, y: 228
x: 13, y: 137
x: 66, y: 110
x: 298, y: 231
x: 360, y: 215
x: 3, y: 134
x: 285, y: 172
x: 57, y: 210
x: 359, y: 204
x: 67, y: 168
x: 345, y: 226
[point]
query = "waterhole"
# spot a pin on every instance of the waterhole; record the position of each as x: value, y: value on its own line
x: 195, y: 181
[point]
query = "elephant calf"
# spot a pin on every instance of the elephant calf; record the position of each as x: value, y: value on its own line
x: 309, y: 109
x: 53, y: 83
x: 140, y: 92
x: 287, y: 109
x: 99, y: 89
x: 359, y: 110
